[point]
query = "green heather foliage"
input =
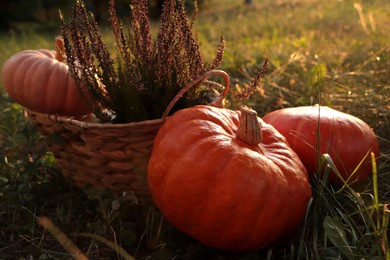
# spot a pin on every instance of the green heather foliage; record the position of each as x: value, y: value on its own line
x: 145, y: 74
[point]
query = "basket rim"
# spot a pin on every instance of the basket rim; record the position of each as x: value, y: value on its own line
x: 73, y: 120
x: 76, y: 122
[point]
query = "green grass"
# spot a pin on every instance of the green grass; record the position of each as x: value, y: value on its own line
x: 318, y: 51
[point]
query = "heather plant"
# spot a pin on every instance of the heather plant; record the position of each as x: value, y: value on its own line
x: 144, y: 74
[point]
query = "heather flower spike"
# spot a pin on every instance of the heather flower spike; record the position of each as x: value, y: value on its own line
x: 141, y: 76
x: 251, y: 88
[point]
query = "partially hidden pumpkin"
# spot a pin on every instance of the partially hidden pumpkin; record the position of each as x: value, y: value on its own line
x: 315, y: 130
x: 40, y: 81
x: 227, y: 179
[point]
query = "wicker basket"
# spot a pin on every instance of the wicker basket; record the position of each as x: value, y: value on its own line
x: 106, y: 156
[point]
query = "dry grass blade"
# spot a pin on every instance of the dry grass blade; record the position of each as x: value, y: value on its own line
x: 118, y: 249
x: 385, y: 225
x: 69, y: 246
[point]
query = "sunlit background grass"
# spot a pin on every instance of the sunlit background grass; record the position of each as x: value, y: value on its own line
x: 336, y: 53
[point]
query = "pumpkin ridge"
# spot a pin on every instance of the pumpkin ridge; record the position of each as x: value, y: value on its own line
x: 7, y: 77
x: 211, y: 190
x: 229, y: 120
x: 201, y: 208
x: 51, y: 102
x: 262, y: 207
x: 328, y: 146
x: 37, y: 95
x: 217, y: 116
x: 13, y: 65
x: 200, y: 205
x: 277, y: 229
x: 179, y: 159
x: 70, y: 85
x: 193, y: 122
x: 47, y: 98
x: 46, y: 53
x: 204, y: 128
x: 26, y: 83
x: 259, y: 209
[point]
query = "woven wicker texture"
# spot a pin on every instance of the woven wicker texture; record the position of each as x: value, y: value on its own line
x: 109, y: 156
x: 104, y: 156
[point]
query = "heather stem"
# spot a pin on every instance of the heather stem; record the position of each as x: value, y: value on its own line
x: 249, y: 129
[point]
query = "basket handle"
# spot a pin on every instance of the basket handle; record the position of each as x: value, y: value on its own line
x: 217, y: 103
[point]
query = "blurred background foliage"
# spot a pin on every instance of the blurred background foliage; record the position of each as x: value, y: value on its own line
x: 43, y: 14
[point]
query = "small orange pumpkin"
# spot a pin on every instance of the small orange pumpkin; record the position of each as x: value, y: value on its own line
x: 315, y: 130
x: 40, y: 81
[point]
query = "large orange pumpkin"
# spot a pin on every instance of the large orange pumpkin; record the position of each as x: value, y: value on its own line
x: 40, y: 81
x: 227, y: 178
x: 346, y: 138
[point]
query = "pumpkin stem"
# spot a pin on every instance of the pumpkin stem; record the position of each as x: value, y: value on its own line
x: 60, y: 49
x: 249, y: 129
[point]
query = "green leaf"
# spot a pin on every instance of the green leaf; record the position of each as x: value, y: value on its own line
x: 334, y: 231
